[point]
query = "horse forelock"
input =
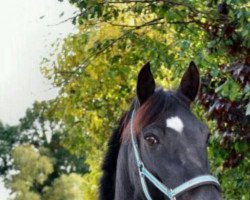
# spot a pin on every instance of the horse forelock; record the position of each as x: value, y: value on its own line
x: 154, y: 108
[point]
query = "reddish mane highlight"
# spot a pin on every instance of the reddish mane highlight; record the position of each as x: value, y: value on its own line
x: 149, y: 112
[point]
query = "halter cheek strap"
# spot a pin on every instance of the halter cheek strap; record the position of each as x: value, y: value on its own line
x: 170, y: 193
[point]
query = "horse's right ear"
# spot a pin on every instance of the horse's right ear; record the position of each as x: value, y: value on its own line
x: 145, y: 84
x: 190, y: 83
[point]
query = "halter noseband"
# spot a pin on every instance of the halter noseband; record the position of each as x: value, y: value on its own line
x: 170, y: 193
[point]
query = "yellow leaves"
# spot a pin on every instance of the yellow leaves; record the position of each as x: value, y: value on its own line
x: 95, y: 72
x: 95, y: 120
x: 118, y: 80
x: 108, y: 31
x: 102, y: 32
x: 25, y: 194
x: 66, y: 187
x: 91, y: 185
x: 91, y: 179
x: 163, y: 77
x: 31, y: 168
x: 203, y: 20
x: 26, y: 156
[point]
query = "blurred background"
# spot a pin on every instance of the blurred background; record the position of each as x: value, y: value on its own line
x: 68, y: 71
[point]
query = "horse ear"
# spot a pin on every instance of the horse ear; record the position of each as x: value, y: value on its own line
x: 145, y: 84
x: 190, y: 83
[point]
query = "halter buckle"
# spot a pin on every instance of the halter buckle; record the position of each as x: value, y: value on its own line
x: 140, y: 167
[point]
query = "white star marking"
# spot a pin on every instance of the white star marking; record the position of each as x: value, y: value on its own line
x: 175, y: 123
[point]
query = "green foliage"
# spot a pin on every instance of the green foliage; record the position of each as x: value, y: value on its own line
x: 230, y: 89
x: 8, y: 137
x: 31, y: 147
x: 237, y: 178
x: 41, y: 165
x: 235, y: 181
x: 65, y: 187
x: 21, y: 183
x: 32, y: 169
x: 96, y: 69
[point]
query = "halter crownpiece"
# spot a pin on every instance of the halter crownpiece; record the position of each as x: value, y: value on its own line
x: 170, y: 193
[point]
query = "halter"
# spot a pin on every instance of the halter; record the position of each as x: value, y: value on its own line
x: 170, y: 193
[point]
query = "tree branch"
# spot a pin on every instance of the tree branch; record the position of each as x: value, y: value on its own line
x: 134, y: 26
x: 66, y: 20
x: 174, y: 3
x: 87, y: 61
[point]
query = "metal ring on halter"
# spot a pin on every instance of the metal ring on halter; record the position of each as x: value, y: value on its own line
x: 173, y: 198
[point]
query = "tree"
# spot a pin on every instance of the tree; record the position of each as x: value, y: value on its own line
x: 66, y: 187
x: 32, y: 170
x: 96, y: 68
x: 8, y: 137
x: 36, y: 143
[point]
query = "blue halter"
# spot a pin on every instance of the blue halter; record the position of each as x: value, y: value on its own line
x: 170, y: 193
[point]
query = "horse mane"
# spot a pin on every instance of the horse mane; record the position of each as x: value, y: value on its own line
x: 107, y: 181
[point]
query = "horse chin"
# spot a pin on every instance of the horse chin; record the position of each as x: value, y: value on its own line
x: 208, y: 192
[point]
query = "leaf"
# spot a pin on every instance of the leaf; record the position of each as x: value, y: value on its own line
x: 61, y: 14
x: 230, y: 89
x: 241, y: 146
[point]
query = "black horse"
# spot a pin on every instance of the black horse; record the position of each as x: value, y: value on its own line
x: 172, y: 143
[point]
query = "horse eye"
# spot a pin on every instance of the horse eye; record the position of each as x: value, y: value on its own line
x: 151, y: 140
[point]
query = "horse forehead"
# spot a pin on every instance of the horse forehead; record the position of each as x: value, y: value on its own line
x: 175, y: 123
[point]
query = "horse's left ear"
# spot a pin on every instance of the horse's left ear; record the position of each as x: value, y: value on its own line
x: 145, y: 84
x: 190, y: 83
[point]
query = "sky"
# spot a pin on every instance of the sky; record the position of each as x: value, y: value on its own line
x: 25, y: 39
